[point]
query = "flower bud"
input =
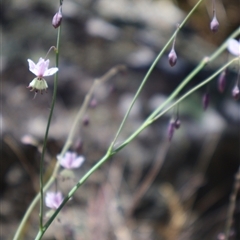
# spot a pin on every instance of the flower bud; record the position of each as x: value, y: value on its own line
x: 172, y: 58
x: 222, y: 81
x: 57, y: 19
x: 171, y: 127
x: 236, y: 92
x: 205, y: 101
x: 214, y: 25
x: 177, y: 123
x: 86, y: 120
x: 93, y: 103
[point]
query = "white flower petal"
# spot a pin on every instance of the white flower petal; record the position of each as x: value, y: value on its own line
x: 50, y: 71
x: 234, y: 47
x: 32, y: 67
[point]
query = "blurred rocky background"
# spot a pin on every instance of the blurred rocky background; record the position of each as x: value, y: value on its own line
x: 152, y: 189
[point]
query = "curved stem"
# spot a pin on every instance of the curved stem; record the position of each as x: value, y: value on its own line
x: 150, y: 70
x: 70, y: 194
x: 69, y: 141
x: 109, y: 154
x: 154, y: 118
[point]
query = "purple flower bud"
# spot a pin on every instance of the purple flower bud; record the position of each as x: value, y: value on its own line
x: 205, y: 101
x: 93, y: 103
x: 177, y: 123
x: 222, y: 81
x: 236, y: 92
x: 171, y: 127
x: 86, y: 121
x: 172, y: 57
x: 57, y: 19
x: 214, y: 25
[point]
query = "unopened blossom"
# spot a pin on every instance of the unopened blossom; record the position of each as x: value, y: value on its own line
x: 171, y: 127
x: 236, y: 92
x: 172, y: 57
x: 214, y: 25
x: 70, y: 160
x: 40, y: 70
x: 57, y: 18
x: 177, y: 123
x: 234, y: 47
x: 53, y: 199
x: 222, y: 81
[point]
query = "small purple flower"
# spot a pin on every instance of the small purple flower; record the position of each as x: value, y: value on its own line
x: 40, y: 70
x: 53, y: 199
x: 234, y: 47
x: 70, y: 160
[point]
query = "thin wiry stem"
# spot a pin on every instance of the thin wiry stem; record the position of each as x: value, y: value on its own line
x: 150, y: 71
x: 111, y: 153
x: 47, y: 130
x: 112, y: 72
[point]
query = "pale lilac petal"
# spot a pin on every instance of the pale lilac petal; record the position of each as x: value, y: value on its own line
x: 53, y: 199
x: 70, y: 160
x: 50, y: 71
x: 40, y: 61
x: 78, y: 162
x: 47, y: 64
x: 42, y: 68
x: 234, y: 47
x: 33, y: 67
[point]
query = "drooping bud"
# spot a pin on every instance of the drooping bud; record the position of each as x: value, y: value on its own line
x: 93, y: 103
x: 214, y: 25
x: 86, y: 120
x: 171, y: 127
x: 205, y: 101
x: 172, y: 57
x: 222, y: 81
x: 57, y: 18
x: 236, y: 92
x: 177, y: 123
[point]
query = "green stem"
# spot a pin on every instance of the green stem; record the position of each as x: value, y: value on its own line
x: 109, y: 154
x: 68, y: 142
x: 47, y: 131
x: 152, y: 119
x: 149, y: 72
x: 29, y: 210
x: 70, y: 194
x: 200, y: 66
